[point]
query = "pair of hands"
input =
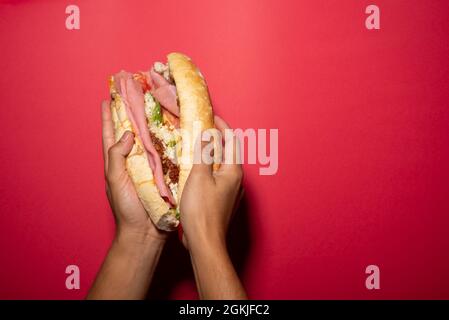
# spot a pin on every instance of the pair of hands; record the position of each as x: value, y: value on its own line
x: 207, y: 204
x: 208, y: 197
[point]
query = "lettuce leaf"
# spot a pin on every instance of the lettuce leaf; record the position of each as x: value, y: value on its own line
x: 156, y: 116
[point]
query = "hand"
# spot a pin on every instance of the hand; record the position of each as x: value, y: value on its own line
x: 129, y: 266
x: 209, y: 198
x: 130, y: 215
x: 207, y: 203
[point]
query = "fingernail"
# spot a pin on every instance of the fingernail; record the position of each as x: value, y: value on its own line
x: 126, y: 136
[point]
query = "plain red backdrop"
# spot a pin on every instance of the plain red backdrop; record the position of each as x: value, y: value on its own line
x: 363, y: 140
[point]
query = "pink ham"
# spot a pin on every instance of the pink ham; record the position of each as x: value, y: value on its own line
x: 166, y: 95
x: 132, y: 94
x: 164, y: 92
x: 158, y: 80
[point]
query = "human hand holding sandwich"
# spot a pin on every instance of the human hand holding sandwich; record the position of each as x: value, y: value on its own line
x: 208, y: 201
x: 130, y: 263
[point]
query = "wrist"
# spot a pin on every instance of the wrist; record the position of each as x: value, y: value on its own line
x: 137, y: 240
x: 209, y: 244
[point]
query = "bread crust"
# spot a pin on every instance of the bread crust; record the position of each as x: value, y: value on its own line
x: 195, y: 109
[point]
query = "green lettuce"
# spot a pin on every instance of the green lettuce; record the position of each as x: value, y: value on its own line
x: 156, y: 116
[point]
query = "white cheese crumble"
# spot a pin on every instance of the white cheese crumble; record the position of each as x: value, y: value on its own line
x: 149, y: 104
x: 168, y: 134
x: 163, y: 70
x: 174, y: 190
x: 159, y: 67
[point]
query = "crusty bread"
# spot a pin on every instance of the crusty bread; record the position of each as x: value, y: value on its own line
x: 195, y: 107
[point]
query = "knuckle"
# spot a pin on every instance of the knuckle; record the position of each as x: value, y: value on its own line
x: 112, y: 150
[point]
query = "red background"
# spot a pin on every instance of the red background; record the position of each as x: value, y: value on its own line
x: 363, y: 140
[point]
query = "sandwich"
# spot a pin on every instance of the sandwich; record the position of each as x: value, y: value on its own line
x: 166, y: 108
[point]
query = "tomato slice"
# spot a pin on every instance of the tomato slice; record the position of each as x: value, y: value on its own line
x: 143, y: 81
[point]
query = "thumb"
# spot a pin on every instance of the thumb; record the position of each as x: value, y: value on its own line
x: 117, y: 155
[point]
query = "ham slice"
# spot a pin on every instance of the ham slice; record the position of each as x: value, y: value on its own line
x: 166, y: 96
x: 164, y: 92
x: 174, y: 121
x: 158, y: 80
x: 132, y: 94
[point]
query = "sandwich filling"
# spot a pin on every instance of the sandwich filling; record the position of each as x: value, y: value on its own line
x: 151, y: 104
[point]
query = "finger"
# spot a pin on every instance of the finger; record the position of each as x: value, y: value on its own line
x: 199, y: 165
x: 117, y: 155
x: 107, y: 131
x: 220, y: 124
x: 232, y: 146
